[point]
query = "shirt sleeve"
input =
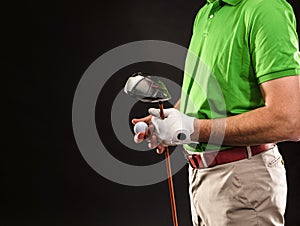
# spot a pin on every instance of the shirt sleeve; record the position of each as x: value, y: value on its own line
x: 274, y: 44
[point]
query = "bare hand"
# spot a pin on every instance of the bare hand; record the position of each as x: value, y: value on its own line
x: 148, y: 135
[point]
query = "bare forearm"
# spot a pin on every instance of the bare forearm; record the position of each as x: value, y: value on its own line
x: 259, y: 126
x: 277, y: 121
x: 177, y: 105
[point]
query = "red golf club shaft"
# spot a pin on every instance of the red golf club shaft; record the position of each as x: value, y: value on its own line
x: 169, y: 171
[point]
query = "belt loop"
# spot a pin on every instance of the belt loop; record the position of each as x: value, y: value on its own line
x: 203, y: 159
x: 249, y: 152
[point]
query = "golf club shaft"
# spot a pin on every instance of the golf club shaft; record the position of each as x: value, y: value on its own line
x: 161, y: 108
x: 171, y: 187
x: 169, y: 171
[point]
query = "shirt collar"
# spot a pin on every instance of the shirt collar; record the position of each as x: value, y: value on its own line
x: 230, y: 2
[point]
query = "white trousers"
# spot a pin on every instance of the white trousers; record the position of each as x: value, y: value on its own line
x: 247, y: 192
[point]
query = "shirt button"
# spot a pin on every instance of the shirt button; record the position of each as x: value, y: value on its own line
x: 211, y: 16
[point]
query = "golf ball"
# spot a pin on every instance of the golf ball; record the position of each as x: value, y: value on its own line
x: 140, y: 127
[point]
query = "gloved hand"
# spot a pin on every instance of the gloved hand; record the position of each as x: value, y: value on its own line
x: 175, y: 129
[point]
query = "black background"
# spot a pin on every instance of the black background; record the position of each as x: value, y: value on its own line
x: 47, y: 182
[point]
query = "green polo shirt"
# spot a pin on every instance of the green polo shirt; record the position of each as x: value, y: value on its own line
x: 237, y: 45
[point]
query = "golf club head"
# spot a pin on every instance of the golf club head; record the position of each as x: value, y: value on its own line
x: 146, y: 88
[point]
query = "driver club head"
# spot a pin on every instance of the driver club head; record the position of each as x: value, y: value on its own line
x: 146, y: 88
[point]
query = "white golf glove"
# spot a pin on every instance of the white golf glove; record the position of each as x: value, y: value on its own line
x: 175, y: 129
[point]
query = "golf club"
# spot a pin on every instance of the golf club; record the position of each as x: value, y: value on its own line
x: 147, y: 89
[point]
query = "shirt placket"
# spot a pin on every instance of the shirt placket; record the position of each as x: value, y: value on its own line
x: 216, y: 6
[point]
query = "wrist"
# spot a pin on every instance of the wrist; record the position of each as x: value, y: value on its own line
x: 196, y: 133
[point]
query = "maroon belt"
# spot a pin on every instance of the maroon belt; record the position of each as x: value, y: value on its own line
x: 213, y: 158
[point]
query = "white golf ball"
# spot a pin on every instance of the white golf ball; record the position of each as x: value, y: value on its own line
x: 140, y: 127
